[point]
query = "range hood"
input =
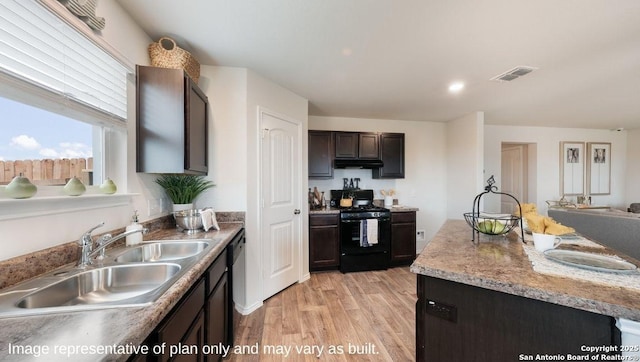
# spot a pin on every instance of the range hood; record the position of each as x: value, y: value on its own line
x: 357, y: 163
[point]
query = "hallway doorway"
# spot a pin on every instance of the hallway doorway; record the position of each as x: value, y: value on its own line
x: 518, y: 175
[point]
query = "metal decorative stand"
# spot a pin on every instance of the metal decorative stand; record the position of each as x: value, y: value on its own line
x: 492, y: 224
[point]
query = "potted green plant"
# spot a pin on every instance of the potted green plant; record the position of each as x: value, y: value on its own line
x: 183, y: 189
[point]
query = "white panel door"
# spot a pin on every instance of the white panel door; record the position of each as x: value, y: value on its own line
x: 281, y: 184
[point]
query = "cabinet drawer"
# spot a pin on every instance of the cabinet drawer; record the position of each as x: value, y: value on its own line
x: 403, y: 217
x: 185, y: 313
x: 322, y: 220
x: 215, y: 271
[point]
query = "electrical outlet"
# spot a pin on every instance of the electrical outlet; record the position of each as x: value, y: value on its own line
x: 420, y: 235
x: 154, y: 206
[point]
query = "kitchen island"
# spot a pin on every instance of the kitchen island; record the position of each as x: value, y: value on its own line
x: 484, y: 302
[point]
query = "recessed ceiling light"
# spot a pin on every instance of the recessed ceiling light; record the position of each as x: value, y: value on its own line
x: 456, y: 87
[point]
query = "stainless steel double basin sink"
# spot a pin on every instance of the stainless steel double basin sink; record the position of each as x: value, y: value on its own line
x: 127, y: 277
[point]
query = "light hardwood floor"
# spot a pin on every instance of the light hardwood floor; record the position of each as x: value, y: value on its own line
x: 373, y: 312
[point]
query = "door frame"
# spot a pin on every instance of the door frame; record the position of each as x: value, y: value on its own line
x: 298, y: 178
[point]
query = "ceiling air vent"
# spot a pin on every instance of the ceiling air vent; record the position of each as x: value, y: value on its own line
x: 514, y: 73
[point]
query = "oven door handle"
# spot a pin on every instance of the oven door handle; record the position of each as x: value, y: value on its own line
x: 350, y: 221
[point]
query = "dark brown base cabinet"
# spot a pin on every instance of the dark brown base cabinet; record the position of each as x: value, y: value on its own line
x: 199, y: 319
x: 403, y: 238
x: 216, y: 305
x: 459, y: 322
x: 324, y: 241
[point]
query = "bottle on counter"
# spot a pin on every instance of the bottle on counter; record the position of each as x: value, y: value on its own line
x: 135, y: 238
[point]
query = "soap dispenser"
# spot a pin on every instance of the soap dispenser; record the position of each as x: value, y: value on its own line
x: 135, y: 238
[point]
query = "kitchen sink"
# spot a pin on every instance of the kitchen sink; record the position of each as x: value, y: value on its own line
x: 133, y: 276
x: 102, y: 285
x: 162, y: 251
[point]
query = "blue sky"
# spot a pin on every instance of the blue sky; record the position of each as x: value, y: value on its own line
x: 30, y: 133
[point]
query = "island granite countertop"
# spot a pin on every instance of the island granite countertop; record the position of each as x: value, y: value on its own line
x: 122, y: 327
x: 499, y: 263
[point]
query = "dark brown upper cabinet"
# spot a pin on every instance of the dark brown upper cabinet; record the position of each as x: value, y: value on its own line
x: 172, y: 122
x: 346, y: 144
x: 368, y: 146
x: 357, y: 145
x: 392, y: 156
x: 321, y: 150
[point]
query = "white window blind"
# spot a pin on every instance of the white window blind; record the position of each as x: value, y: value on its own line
x: 39, y: 48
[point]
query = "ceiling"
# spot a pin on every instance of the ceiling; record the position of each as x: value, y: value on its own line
x: 394, y: 59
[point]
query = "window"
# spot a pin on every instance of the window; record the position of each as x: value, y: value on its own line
x: 63, y: 99
x: 46, y: 147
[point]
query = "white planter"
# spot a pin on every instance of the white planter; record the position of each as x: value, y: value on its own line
x: 180, y: 207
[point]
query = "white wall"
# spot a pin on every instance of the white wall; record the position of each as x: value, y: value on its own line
x: 547, y: 142
x: 633, y: 171
x: 122, y: 33
x: 226, y: 88
x: 464, y: 163
x: 424, y: 184
x: 262, y: 93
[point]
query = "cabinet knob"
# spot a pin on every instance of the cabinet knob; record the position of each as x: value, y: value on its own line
x: 296, y: 211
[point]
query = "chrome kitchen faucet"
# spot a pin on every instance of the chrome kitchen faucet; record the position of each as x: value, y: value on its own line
x: 87, y: 253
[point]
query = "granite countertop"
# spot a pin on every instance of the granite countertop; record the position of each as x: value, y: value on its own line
x: 401, y: 208
x: 336, y: 210
x: 108, y: 327
x: 331, y: 210
x: 501, y: 264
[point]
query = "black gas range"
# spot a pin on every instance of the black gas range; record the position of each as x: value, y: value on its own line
x: 365, y: 232
x: 363, y: 212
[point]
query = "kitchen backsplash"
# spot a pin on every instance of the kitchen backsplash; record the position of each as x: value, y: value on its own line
x: 27, y: 266
x: 366, y: 182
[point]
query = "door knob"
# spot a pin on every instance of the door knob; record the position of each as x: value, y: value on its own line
x: 296, y: 211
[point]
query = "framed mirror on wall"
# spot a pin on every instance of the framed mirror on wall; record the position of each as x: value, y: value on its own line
x: 599, y: 168
x: 572, y: 168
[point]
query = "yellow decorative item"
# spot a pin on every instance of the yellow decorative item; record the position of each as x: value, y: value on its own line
x: 553, y: 228
x: 545, y: 225
x: 535, y: 223
x: 165, y: 53
x: 526, y: 209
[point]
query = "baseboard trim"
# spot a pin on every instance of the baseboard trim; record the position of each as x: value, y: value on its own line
x: 248, y: 310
